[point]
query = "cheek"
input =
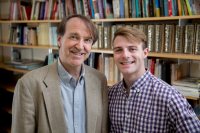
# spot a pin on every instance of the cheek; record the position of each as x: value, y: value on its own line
x: 88, y: 48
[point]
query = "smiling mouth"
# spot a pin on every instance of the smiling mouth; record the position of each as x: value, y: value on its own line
x: 77, y: 53
x: 127, y: 62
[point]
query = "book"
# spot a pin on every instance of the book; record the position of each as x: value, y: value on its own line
x: 32, y: 36
x: 169, y: 41
x: 69, y: 6
x: 189, y: 39
x: 100, y: 7
x: 4, y: 10
x: 192, y: 82
x: 126, y: 8
x: 179, y: 38
x: 43, y: 34
x: 116, y: 9
x: 25, y: 64
x: 100, y: 36
x: 108, y: 10
x: 96, y: 9
x: 150, y: 37
x: 106, y: 37
x: 197, y: 40
x: 188, y: 91
x: 159, y: 37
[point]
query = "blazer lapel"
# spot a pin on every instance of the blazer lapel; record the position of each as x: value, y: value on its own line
x: 53, y: 101
x: 91, y: 105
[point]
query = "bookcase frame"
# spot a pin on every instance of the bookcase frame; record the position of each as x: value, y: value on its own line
x: 102, y: 51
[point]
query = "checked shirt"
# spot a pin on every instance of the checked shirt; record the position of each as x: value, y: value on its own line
x: 152, y: 106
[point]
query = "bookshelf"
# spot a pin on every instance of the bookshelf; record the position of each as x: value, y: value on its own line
x: 101, y: 51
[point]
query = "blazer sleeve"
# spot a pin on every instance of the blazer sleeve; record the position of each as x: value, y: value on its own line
x: 105, y: 107
x: 23, y: 111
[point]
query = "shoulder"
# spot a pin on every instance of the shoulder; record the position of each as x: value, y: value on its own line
x: 93, y: 72
x: 160, y: 85
x: 114, y: 89
x: 162, y: 90
x: 37, y: 74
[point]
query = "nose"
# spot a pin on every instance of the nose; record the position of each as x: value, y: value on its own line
x: 125, y: 53
x: 80, y: 44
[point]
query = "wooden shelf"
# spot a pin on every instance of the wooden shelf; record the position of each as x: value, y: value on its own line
x: 175, y: 56
x: 159, y: 55
x: 30, y: 21
x: 9, y: 68
x: 191, y: 98
x: 110, y: 20
x: 108, y: 51
x: 104, y: 51
x: 28, y: 46
x: 10, y: 87
x: 148, y: 19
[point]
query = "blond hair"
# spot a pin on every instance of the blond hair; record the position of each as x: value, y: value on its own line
x: 132, y: 34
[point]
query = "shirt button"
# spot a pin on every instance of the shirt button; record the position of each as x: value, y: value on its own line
x: 127, y: 115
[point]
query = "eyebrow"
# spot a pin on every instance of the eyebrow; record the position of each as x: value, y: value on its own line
x: 116, y: 48
x: 86, y: 37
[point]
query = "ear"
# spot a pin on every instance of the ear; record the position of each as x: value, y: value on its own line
x: 146, y: 52
x: 59, y: 40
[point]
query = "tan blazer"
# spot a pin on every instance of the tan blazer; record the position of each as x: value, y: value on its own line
x: 37, y: 104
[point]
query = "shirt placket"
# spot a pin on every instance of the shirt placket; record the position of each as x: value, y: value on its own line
x: 129, y: 102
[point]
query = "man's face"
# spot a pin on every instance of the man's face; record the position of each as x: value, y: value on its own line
x: 75, y: 45
x: 129, y: 56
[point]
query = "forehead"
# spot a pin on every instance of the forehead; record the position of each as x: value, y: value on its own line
x: 122, y: 41
x: 76, y: 24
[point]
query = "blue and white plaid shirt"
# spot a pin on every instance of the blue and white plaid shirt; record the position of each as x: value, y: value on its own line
x: 152, y: 106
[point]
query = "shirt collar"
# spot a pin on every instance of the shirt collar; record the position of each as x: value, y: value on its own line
x: 65, y: 76
x: 138, y: 83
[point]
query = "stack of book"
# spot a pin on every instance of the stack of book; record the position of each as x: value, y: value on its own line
x: 26, y: 64
x: 189, y: 87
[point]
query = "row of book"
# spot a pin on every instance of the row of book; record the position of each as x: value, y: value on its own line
x: 105, y: 64
x: 44, y: 34
x: 179, y: 75
x: 167, y: 38
x: 57, y: 9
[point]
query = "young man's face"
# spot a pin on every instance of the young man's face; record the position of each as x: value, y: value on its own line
x: 75, y: 45
x: 129, y: 56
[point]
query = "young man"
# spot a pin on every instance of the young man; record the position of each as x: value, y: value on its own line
x: 67, y: 96
x: 142, y: 103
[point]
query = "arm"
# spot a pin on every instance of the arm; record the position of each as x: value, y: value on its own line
x: 105, y: 107
x: 23, y: 111
x: 181, y: 115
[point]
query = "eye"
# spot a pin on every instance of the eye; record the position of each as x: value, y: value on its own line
x: 74, y: 37
x: 88, y: 41
x: 117, y: 50
x: 132, y: 49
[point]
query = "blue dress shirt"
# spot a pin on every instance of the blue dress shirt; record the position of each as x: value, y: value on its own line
x: 73, y: 97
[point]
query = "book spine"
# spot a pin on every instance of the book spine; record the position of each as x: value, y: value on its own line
x: 179, y: 39
x: 150, y: 37
x: 189, y: 39
x: 100, y: 7
x: 133, y: 9
x: 168, y: 38
x: 121, y: 9
x: 197, y: 40
x: 158, y: 37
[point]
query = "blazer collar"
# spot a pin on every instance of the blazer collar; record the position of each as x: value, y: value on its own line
x: 53, y: 100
